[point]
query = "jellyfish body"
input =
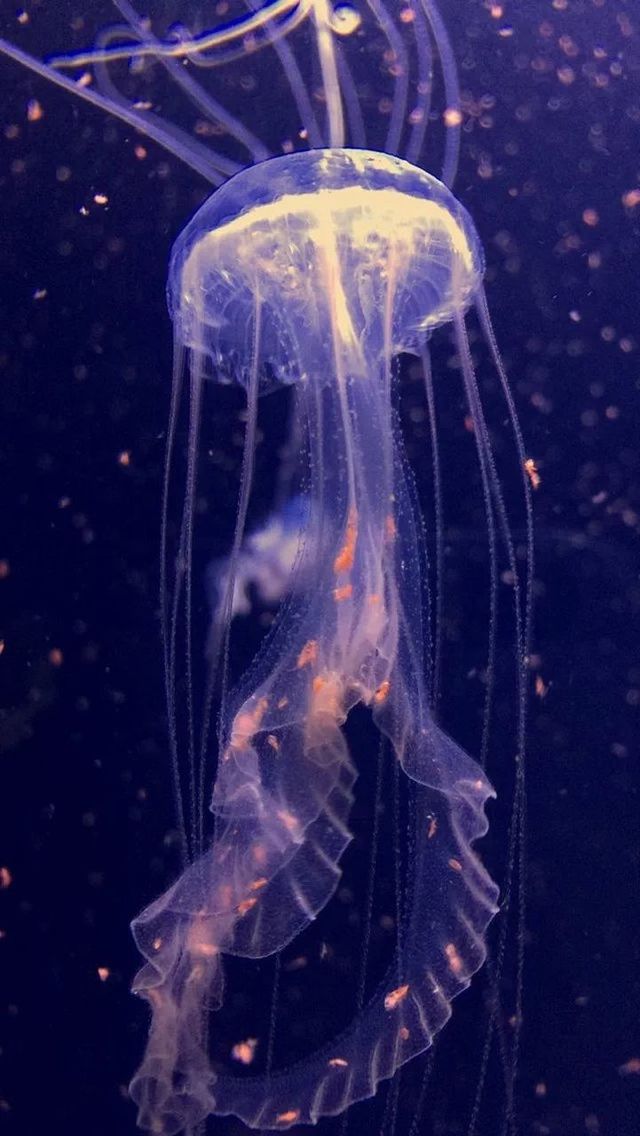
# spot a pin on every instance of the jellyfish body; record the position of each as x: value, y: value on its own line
x: 317, y: 269
x: 314, y: 270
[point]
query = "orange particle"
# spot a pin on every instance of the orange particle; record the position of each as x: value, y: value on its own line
x: 338, y: 1063
x: 454, y: 960
x: 124, y: 458
x: 298, y: 963
x: 432, y: 829
x: 590, y: 217
x: 632, y: 1066
x: 318, y: 684
x: 2, y: 646
x: 531, y: 470
x: 631, y: 198
x: 344, y: 593
x: 395, y: 997
x: 382, y: 691
x: 288, y: 1117
x: 344, y: 560
x: 257, y: 884
x: 246, y: 906
x: 34, y: 111
x: 452, y: 116
x: 308, y: 654
x: 455, y: 864
x: 374, y: 598
x: 101, y: 199
x: 244, y: 1051
x: 156, y: 944
x: 55, y: 657
x: 404, y: 1034
x: 5, y: 569
x: 259, y: 854
x: 390, y: 529
x: 541, y: 687
x: 103, y: 973
x: 6, y: 879
x: 273, y: 742
x: 281, y: 703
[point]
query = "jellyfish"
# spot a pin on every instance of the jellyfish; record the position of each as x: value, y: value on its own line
x: 314, y: 270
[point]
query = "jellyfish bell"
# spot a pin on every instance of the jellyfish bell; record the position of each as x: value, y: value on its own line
x: 348, y: 256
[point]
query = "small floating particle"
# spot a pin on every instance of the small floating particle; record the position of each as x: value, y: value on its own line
x: 34, y: 111
x: 289, y: 1117
x: 245, y: 1051
x: 532, y: 472
x: 382, y: 691
x: 541, y: 687
x: 452, y: 117
x: 630, y: 1067
x: 246, y: 905
x: 453, y: 958
x: 395, y: 997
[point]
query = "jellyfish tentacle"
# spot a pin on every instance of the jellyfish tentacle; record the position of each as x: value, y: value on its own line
x: 194, y: 91
x: 452, y: 91
x: 400, y: 70
x: 442, y: 946
x: 273, y: 865
x: 420, y: 114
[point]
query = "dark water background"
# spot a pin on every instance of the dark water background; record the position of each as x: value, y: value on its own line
x: 84, y: 370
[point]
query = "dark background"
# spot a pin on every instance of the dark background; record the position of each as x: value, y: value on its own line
x: 86, y: 838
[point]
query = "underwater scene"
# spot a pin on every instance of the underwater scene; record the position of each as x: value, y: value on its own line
x: 320, y: 567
